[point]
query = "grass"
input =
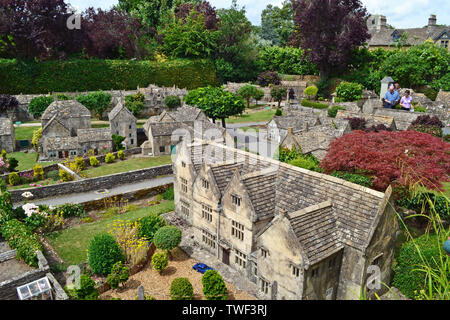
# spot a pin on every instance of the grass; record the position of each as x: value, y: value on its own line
x: 260, y: 116
x: 27, y: 185
x: 71, y: 244
x: 126, y: 165
x: 26, y: 160
x: 24, y: 133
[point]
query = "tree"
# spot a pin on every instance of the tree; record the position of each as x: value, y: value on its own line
x: 7, y: 102
x: 277, y: 23
x: 119, y: 274
x: 181, y: 289
x: 151, y: 13
x: 329, y: 31
x: 160, y: 261
x: 210, y: 18
x: 248, y: 92
x: 216, y: 102
x: 172, y: 102
x: 167, y: 238
x: 278, y: 93
x: 214, y: 287
x: 97, y: 102
x: 38, y: 105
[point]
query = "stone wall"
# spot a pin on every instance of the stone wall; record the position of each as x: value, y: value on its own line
x: 93, y: 183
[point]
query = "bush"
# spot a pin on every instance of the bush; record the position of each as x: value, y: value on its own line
x: 53, y: 175
x: 332, y: 112
x: 172, y: 102
x: 419, y: 108
x: 78, y: 164
x: 349, y: 91
x: 399, y: 158
x: 434, y: 131
x: 7, y: 102
x: 103, y: 253
x: 71, y: 210
x: 94, y: 161
x: 357, y: 123
x: 97, y: 102
x: 167, y: 238
x: 181, y: 289
x: 19, y: 237
x: 278, y: 112
x: 268, y: 77
x: 61, y: 96
x: 38, y: 105
x: 110, y: 158
x: 160, y: 261
x: 149, y: 225
x: 378, y: 128
x: 65, y: 176
x: 311, y: 92
x: 117, y: 140
x: 13, y: 163
x: 420, y: 203
x: 312, y: 104
x: 286, y: 60
x: 119, y: 274
x: 427, y: 124
x: 121, y: 155
x: 14, y: 179
x: 96, y: 74
x: 135, y: 107
x: 354, y: 178
x: 406, y: 276
x: 214, y: 287
x: 37, y: 134
x: 278, y: 93
x: 87, y: 289
x: 430, y: 93
x: 248, y: 92
x: 168, y: 194
x: 305, y: 162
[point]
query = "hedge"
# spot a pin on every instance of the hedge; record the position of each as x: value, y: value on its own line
x: 312, y: 104
x: 95, y: 74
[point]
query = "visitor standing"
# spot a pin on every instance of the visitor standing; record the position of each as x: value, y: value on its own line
x: 391, y: 98
x: 406, y: 101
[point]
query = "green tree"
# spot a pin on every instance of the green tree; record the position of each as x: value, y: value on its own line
x: 167, y: 238
x: 248, y: 92
x: 277, y: 23
x: 38, y: 105
x: 97, y: 102
x: 278, y: 93
x: 216, y: 102
x: 214, y: 287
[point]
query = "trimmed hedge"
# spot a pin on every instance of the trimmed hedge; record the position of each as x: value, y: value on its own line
x: 95, y: 74
x: 312, y: 104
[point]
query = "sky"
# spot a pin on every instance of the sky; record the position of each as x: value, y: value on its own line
x: 400, y: 14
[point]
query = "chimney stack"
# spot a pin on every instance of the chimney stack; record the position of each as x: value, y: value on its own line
x: 289, y: 130
x: 382, y: 23
x: 432, y: 20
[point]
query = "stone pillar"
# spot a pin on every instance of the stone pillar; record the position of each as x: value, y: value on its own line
x: 384, y: 86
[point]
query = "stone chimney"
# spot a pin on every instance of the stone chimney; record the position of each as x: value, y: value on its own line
x: 382, y: 23
x: 432, y: 20
x: 289, y: 131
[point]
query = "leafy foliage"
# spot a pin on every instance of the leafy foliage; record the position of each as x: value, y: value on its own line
x: 7, y: 102
x: 400, y: 158
x: 357, y: 123
x: 38, y: 105
x: 71, y: 210
x: 181, y: 289
x: 268, y: 77
x: 167, y: 238
x: 109, y: 158
x: 168, y: 194
x: 332, y: 112
x: 93, y: 161
x: 277, y: 23
x: 354, y: 178
x: 349, y: 91
x: 65, y: 176
x: 117, y: 140
x: 160, y: 261
x: 278, y: 93
x: 119, y: 274
x: 103, y: 253
x: 424, y: 202
x: 87, y: 290
x: 312, y: 104
x: 135, y: 103
x: 97, y: 102
x: 214, y: 287
x: 248, y: 92
x: 311, y: 92
x: 149, y: 225
x: 287, y: 60
x: 172, y: 102
x: 14, y: 179
x: 306, y: 162
x: 37, y: 134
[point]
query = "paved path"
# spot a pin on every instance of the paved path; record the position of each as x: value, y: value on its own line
x: 92, y: 195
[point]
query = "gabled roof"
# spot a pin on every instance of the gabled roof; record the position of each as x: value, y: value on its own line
x: 6, y: 127
x: 52, y: 121
x: 61, y: 143
x: 296, y: 122
x: 64, y: 109
x: 94, y: 134
x: 386, y: 37
x: 119, y: 108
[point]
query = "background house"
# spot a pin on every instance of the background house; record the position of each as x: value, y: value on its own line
x: 123, y: 123
x: 7, y: 135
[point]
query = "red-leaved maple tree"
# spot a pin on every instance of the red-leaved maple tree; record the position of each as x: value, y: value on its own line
x: 400, y: 158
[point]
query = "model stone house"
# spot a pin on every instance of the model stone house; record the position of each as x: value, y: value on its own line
x: 123, y: 123
x: 67, y: 132
x: 383, y: 36
x: 371, y: 119
x: 184, y: 113
x: 7, y: 135
x: 297, y: 234
x: 277, y: 128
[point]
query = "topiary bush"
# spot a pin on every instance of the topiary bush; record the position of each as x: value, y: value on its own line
x: 349, y: 91
x: 214, y: 287
x: 172, y: 102
x: 14, y: 179
x: 354, y: 178
x: 38, y: 105
x: 110, y: 158
x: 160, y: 261
x: 121, y: 155
x: 332, y: 112
x: 278, y: 112
x: 312, y: 104
x: 119, y: 274
x: 38, y: 172
x: 65, y: 176
x: 311, y: 92
x: 103, y: 253
x: 181, y: 289
x: 87, y: 290
x: 167, y: 238
x: 94, y: 161
x: 149, y: 225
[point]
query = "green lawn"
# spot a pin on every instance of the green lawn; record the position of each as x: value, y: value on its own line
x: 71, y: 244
x: 26, y: 160
x: 126, y: 165
x: 25, y: 133
x: 260, y: 116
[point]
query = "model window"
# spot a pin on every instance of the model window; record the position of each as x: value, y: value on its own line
x: 264, y: 286
x: 263, y: 253
x: 240, y: 259
x: 132, y: 141
x: 315, y: 273
x: 209, y: 239
x: 207, y: 213
x: 162, y: 149
x: 129, y: 127
x: 377, y: 261
x: 236, y: 200
x: 205, y: 183
x: 184, y: 187
x: 183, y: 164
x: 237, y: 230
x: 295, y: 271
x: 185, y: 208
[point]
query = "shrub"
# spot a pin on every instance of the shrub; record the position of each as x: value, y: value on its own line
x: 399, y: 158
x: 214, y: 287
x: 278, y: 112
x: 357, y: 123
x: 149, y: 225
x: 14, y: 179
x: 248, y: 92
x: 121, y: 155
x: 427, y: 120
x: 181, y: 289
x: 103, y: 253
x: 53, y: 175
x: 94, y: 161
x: 278, y: 93
x: 119, y: 274
x: 61, y: 96
x: 172, y: 102
x: 268, y: 77
x: 117, y: 140
x: 37, y: 134
x: 430, y: 93
x: 13, y: 163
x: 79, y: 164
x: 305, y: 162
x: 349, y: 91
x: 38, y: 105
x: 97, y: 102
x: 312, y: 104
x: 167, y: 238
x: 420, y: 203
x: 110, y: 158
x: 71, y: 210
x: 160, y: 261
x: 135, y: 107
x: 311, y: 92
x: 87, y: 289
x: 7, y: 102
x: 407, y: 278
x: 354, y: 178
x: 377, y: 128
x: 332, y: 112
x: 286, y: 60
x: 434, y: 131
x: 65, y: 176
x: 419, y: 108
x: 168, y: 194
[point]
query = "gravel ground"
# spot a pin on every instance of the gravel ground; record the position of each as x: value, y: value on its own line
x: 159, y: 285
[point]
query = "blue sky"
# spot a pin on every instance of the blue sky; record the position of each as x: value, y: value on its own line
x: 401, y: 14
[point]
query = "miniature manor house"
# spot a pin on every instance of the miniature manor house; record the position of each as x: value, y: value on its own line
x: 295, y: 233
